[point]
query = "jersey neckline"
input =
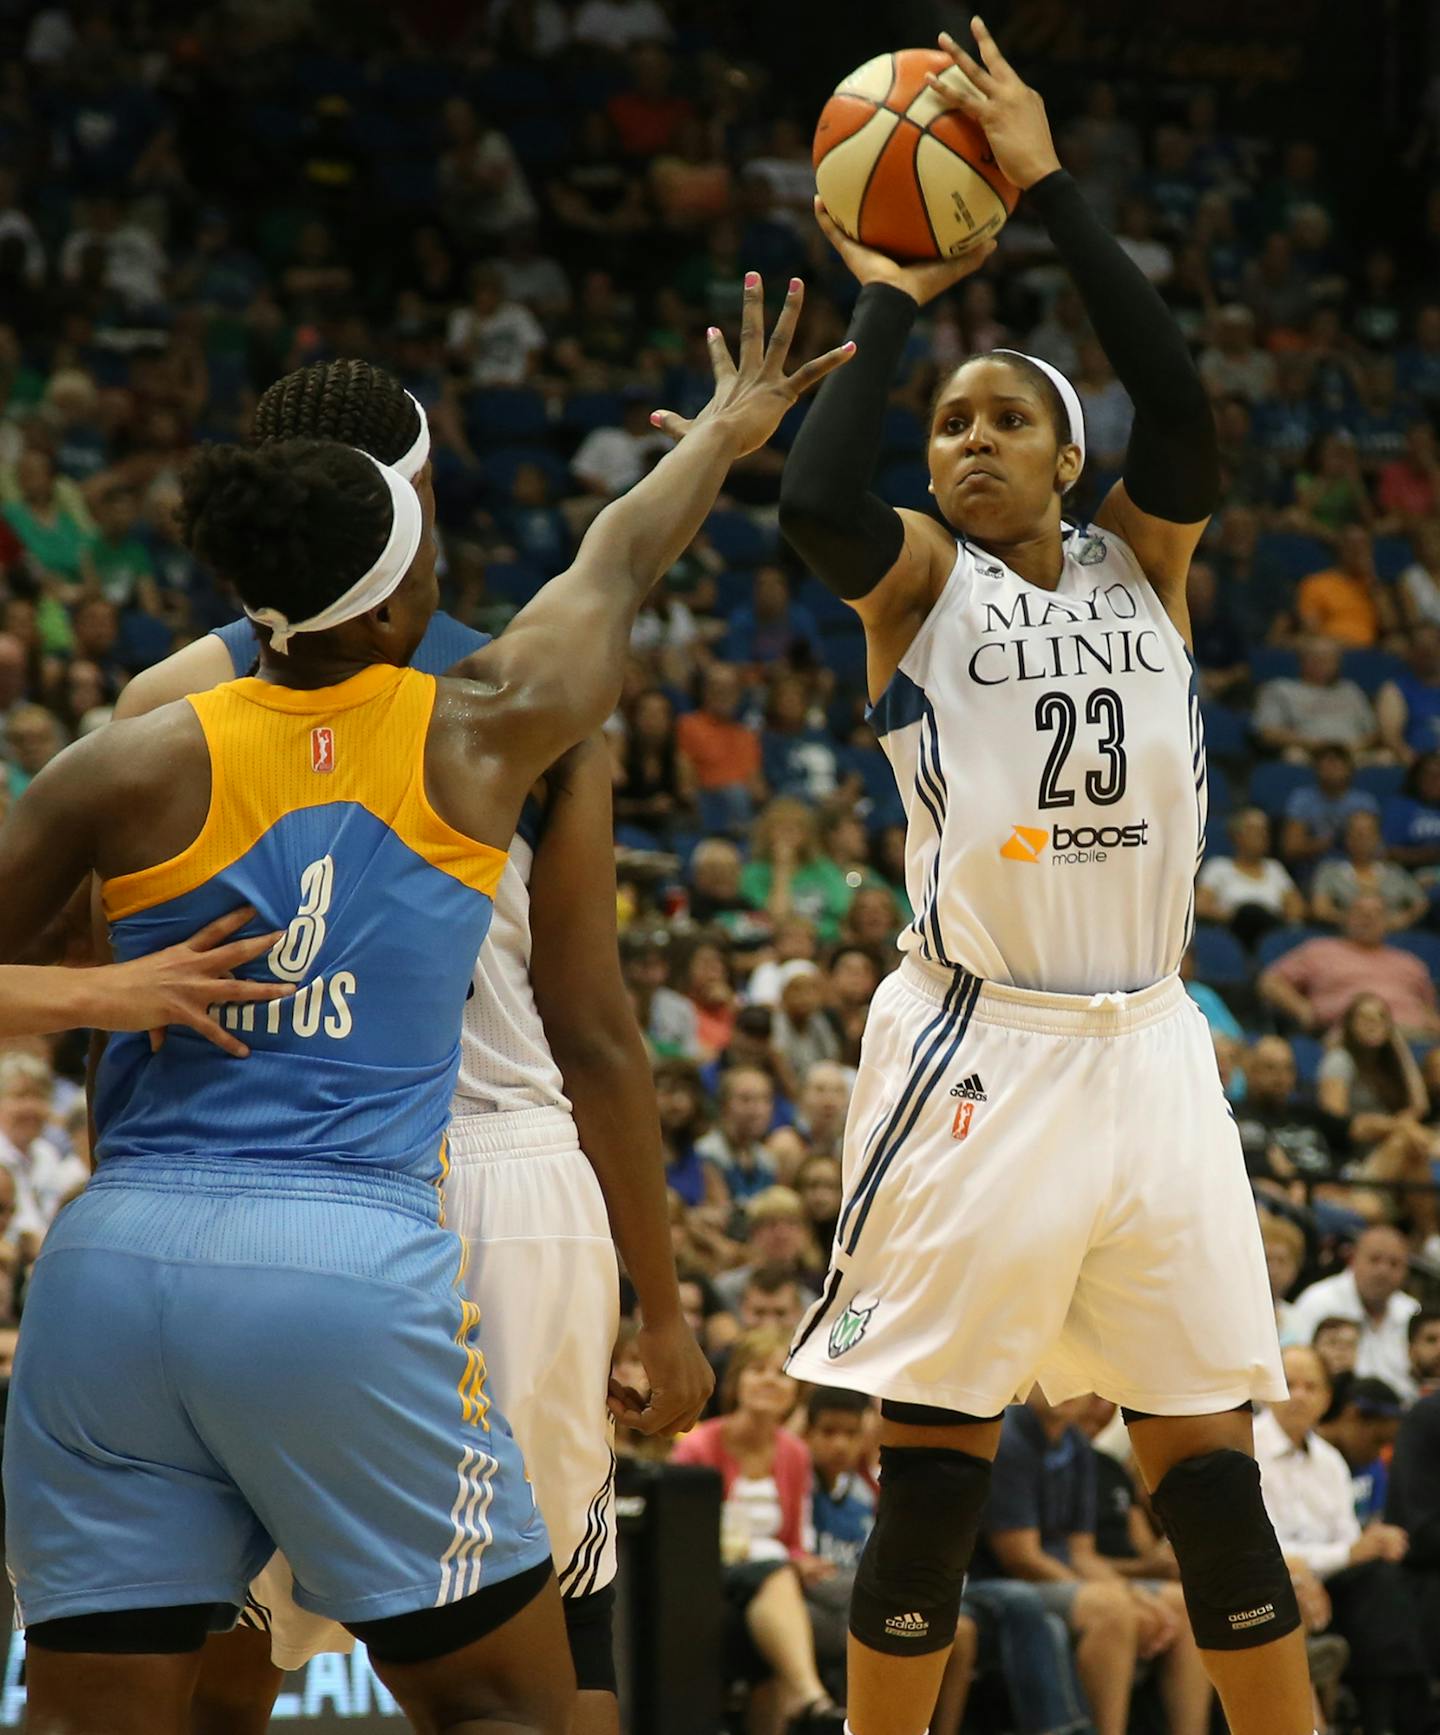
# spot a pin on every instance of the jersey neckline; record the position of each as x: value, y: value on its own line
x: 356, y: 689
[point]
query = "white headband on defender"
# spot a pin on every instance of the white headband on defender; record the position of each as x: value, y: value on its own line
x: 1068, y: 396
x: 417, y: 457
x: 407, y: 523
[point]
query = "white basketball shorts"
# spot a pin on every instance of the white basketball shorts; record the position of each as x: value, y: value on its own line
x: 543, y: 1272
x: 1042, y: 1186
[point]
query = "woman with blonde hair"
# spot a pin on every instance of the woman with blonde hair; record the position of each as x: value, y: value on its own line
x: 765, y: 1534
x: 789, y: 872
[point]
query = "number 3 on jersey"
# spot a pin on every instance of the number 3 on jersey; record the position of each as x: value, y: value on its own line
x: 1055, y: 714
x: 292, y: 958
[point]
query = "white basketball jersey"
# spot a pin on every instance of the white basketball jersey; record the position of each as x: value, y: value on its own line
x: 1048, y: 749
x: 505, y: 1061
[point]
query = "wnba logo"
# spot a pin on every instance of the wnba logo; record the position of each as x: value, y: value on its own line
x: 322, y: 749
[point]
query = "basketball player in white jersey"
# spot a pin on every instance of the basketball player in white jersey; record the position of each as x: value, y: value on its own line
x: 1042, y: 1178
x: 548, y: 1024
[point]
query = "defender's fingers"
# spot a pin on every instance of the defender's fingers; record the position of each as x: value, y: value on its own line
x: 240, y: 992
x: 240, y: 952
x: 752, y: 324
x: 677, y: 427
x: 720, y: 362
x: 216, y: 1033
x: 214, y: 932
x: 784, y: 332
x: 804, y: 378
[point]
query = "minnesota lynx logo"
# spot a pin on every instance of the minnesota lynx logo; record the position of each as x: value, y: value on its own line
x: 850, y: 1327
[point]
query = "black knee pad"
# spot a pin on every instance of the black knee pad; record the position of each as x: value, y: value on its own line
x: 428, y: 1633
x: 1237, y: 1585
x: 590, y: 1628
x: 907, y: 1587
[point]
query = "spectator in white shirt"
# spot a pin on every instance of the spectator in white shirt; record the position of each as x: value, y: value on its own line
x: 135, y: 262
x: 1307, y: 1490
x: 1250, y: 891
x: 617, y: 25
x: 500, y: 341
x: 14, y: 223
x: 1370, y: 1292
x: 483, y: 190
x: 44, y: 1175
x: 612, y: 460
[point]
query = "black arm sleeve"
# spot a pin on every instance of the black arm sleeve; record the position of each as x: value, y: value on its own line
x: 1172, y: 467
x: 847, y: 536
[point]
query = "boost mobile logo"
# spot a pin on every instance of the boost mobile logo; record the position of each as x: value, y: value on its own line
x: 1073, y: 845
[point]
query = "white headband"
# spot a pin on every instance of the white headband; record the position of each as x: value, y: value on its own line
x: 415, y: 459
x: 1068, y: 396
x: 407, y: 523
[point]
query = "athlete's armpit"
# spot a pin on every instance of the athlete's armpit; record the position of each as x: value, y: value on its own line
x: 897, y: 608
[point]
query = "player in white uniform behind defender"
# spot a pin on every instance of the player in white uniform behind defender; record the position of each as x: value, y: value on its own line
x: 536, y: 1208
x: 1042, y: 1179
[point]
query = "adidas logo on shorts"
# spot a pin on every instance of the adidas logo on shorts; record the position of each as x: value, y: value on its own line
x: 970, y: 1088
x: 911, y: 1626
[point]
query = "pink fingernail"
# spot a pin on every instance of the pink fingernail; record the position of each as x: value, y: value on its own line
x: 795, y: 285
x: 751, y: 279
x: 714, y: 331
x: 656, y: 417
x: 849, y: 348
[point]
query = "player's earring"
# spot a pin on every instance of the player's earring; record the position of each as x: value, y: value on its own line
x: 930, y: 486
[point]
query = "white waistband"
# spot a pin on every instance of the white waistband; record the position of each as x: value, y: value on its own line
x: 1056, y: 1014
x: 528, y: 1132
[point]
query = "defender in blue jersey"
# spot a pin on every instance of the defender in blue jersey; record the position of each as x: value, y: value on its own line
x: 247, y: 1333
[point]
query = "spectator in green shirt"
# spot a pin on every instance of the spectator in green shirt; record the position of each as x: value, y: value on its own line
x: 57, y: 543
x: 790, y: 874
x: 120, y: 561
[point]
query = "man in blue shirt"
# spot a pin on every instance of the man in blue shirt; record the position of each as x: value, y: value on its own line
x: 1039, y: 1526
x: 1316, y: 814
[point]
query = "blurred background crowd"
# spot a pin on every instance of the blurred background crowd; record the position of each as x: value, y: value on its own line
x: 530, y: 211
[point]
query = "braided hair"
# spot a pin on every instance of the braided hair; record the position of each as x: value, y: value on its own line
x: 350, y: 401
x: 292, y: 525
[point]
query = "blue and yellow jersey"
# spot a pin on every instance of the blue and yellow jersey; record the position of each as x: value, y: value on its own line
x: 318, y: 817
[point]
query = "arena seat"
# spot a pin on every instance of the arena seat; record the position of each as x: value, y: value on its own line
x: 1370, y: 669
x: 1220, y: 959
x: 1421, y: 944
x: 1292, y: 555
x: 1273, y: 663
x: 1227, y: 732
x: 1281, y: 940
x: 586, y: 411
x: 1309, y: 1051
x: 1381, y: 781
x: 505, y: 417
x: 1274, y: 781
x: 739, y: 539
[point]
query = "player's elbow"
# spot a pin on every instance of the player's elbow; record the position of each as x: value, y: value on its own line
x: 591, y: 1046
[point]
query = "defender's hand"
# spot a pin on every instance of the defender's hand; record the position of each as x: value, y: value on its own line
x: 750, y: 400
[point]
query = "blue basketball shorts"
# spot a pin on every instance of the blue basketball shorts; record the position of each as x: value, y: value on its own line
x: 219, y: 1360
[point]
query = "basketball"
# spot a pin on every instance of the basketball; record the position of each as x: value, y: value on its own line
x: 899, y: 172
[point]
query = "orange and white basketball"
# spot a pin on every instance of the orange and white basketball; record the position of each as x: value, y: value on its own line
x: 900, y: 172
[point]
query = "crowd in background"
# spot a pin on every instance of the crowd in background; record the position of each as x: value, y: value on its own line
x: 532, y: 225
